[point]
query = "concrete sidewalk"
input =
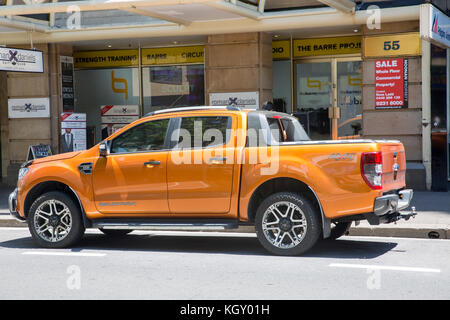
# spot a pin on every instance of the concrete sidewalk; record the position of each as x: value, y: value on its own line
x: 432, y: 220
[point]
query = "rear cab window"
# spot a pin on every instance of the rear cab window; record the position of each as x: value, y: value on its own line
x: 272, y: 128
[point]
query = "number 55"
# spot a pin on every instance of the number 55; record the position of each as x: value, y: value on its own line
x: 394, y: 46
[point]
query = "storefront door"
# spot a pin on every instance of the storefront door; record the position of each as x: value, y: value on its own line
x: 325, y: 83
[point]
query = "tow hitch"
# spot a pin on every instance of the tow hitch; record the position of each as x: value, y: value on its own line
x: 398, y: 216
x: 408, y: 215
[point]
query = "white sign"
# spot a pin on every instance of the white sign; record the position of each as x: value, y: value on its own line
x: 73, y: 131
x: 12, y: 59
x: 247, y: 100
x: 29, y: 108
x: 434, y: 25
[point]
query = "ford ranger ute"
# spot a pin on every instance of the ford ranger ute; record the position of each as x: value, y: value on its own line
x: 212, y: 168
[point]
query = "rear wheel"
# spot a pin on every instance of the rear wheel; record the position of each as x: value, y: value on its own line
x: 54, y: 221
x: 115, y: 233
x: 287, y: 224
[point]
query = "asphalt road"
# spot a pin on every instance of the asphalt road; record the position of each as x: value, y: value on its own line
x: 181, y: 265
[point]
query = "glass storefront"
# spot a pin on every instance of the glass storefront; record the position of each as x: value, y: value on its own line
x: 282, y: 85
x: 324, y: 87
x: 170, y: 77
x: 315, y: 80
x: 100, y: 87
x: 313, y: 95
x: 173, y: 86
x: 349, y: 77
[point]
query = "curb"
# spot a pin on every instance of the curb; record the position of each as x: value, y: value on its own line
x: 6, y: 221
x: 417, y: 231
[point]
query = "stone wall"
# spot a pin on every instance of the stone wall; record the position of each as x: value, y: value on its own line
x: 238, y: 63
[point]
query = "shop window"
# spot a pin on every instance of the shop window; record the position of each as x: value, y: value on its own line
x: 95, y: 88
x: 282, y: 85
x: 173, y: 86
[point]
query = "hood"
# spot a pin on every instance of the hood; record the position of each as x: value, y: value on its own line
x: 62, y: 156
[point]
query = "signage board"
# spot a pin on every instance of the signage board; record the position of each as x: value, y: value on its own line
x: 434, y: 25
x: 173, y: 55
x: 402, y: 44
x: 67, y: 83
x: 12, y: 59
x: 391, y: 84
x: 327, y: 46
x: 247, y: 100
x: 106, y: 58
x: 29, y: 108
x: 38, y: 151
x: 281, y: 49
x: 115, y: 117
x: 73, y: 131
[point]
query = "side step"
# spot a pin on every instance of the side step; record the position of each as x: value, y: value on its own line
x: 165, y: 224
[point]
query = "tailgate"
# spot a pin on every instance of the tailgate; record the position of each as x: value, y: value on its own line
x: 394, y: 165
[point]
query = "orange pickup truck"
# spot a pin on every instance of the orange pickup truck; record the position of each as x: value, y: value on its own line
x: 212, y: 168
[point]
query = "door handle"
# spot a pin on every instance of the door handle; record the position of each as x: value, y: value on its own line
x: 217, y: 159
x: 152, y: 163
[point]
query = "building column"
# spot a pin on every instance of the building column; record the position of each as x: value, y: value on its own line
x: 4, y: 136
x: 239, y: 63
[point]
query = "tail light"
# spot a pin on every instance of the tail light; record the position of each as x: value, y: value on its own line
x: 372, y: 169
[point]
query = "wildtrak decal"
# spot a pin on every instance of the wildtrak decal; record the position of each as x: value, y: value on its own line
x: 115, y: 204
x: 344, y: 156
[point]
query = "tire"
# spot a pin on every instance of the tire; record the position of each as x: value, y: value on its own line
x: 115, y: 233
x: 291, y: 230
x: 55, y: 221
x: 339, y: 229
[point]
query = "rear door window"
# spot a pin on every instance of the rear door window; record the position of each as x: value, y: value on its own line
x: 202, y: 132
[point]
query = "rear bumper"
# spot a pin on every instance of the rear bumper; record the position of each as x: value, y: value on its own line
x: 393, y: 202
x: 12, y: 204
x: 387, y: 208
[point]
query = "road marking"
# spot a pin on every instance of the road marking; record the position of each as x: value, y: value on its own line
x: 75, y: 254
x: 394, y: 268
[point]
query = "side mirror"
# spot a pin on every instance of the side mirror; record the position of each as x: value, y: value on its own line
x: 103, y: 149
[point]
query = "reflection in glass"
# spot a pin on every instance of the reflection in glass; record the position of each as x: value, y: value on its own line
x: 349, y: 99
x: 173, y: 86
x: 314, y: 98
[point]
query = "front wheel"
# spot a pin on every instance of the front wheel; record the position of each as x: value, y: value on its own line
x: 54, y: 221
x: 287, y: 224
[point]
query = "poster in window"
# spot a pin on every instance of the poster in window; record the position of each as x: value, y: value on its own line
x: 73, y: 132
x: 67, y: 83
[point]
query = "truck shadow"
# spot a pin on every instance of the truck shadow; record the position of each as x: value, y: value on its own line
x: 346, y: 248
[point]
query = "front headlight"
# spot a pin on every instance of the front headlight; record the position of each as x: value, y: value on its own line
x: 22, y: 173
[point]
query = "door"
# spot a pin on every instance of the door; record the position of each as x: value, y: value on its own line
x: 200, y: 166
x: 328, y: 97
x: 349, y: 96
x: 313, y: 82
x: 132, y: 178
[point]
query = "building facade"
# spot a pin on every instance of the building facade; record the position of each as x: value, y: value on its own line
x: 346, y: 69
